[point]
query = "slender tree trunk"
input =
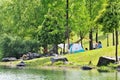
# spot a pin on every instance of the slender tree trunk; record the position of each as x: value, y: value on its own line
x: 81, y: 39
x: 97, y: 36
x: 81, y: 43
x: 64, y: 48
x: 56, y: 48
x: 67, y: 18
x: 113, y: 38
x: 107, y: 40
x: 91, y: 40
x: 116, y: 48
x: 90, y: 33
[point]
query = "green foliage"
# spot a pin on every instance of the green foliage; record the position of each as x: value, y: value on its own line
x: 45, y: 20
x: 79, y: 19
x: 110, y: 17
x: 109, y: 68
x: 52, y: 31
x: 105, y: 69
x: 21, y: 18
x: 16, y: 47
x: 82, y: 15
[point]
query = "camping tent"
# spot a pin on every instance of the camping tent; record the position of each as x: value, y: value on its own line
x: 76, y: 47
x: 62, y: 46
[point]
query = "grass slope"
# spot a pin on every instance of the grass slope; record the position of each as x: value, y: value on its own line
x: 77, y: 59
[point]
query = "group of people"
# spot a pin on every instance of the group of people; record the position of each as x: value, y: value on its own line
x: 97, y: 45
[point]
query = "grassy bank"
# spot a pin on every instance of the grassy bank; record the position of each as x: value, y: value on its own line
x: 75, y: 60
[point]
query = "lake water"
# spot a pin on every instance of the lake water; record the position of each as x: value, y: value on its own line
x: 37, y: 74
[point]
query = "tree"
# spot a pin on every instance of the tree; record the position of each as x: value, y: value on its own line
x: 52, y: 30
x: 14, y: 46
x: 21, y: 18
x: 110, y: 20
x: 79, y: 19
x: 93, y: 7
x: 67, y: 20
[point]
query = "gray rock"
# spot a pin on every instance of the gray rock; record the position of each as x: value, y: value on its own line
x: 56, y: 59
x: 9, y: 59
x: 21, y: 64
x: 104, y: 61
x: 86, y: 68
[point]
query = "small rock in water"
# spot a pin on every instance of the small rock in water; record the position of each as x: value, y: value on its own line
x: 86, y: 68
x: 21, y: 64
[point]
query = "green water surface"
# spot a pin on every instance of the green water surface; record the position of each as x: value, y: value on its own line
x: 38, y: 74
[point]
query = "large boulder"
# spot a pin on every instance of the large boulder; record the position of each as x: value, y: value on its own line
x: 104, y: 61
x: 9, y: 59
x: 30, y: 55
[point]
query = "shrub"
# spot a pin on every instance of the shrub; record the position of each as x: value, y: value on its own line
x: 16, y: 46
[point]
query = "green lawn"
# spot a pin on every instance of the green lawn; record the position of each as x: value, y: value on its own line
x: 77, y: 59
x: 93, y: 55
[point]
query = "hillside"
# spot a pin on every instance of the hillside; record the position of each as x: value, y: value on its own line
x: 78, y: 59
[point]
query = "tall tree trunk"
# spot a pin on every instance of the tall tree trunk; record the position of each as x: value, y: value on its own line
x: 96, y: 36
x: 116, y: 48
x: 113, y: 38
x: 91, y: 40
x: 107, y: 40
x: 81, y: 39
x: 90, y: 33
x: 81, y: 42
x: 64, y: 48
x: 67, y: 18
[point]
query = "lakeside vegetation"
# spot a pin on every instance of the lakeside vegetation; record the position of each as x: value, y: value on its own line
x: 82, y: 58
x: 43, y: 24
x: 75, y: 60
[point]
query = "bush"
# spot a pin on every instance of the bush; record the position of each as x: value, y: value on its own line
x: 16, y: 47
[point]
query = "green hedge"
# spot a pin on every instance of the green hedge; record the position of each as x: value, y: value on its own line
x: 16, y: 46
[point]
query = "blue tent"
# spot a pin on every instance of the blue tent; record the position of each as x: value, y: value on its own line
x: 76, y: 47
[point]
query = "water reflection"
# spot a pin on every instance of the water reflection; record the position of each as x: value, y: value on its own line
x: 34, y: 74
x: 116, y: 76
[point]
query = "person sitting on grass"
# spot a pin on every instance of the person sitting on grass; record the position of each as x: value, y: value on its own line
x: 99, y: 44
